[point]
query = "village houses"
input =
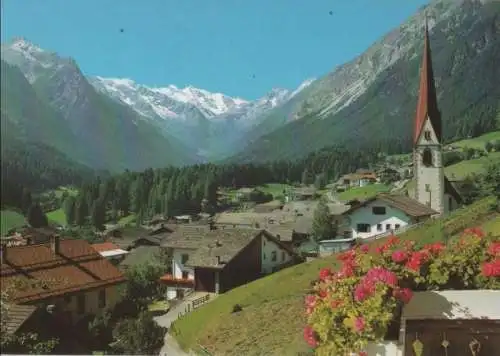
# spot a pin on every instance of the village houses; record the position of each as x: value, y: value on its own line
x: 67, y: 277
x: 217, y: 260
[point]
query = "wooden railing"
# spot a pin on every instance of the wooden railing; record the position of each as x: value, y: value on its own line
x: 199, y: 301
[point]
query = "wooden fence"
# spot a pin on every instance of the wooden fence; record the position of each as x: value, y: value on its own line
x: 199, y: 301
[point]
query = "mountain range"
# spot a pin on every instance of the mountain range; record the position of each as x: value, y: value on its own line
x: 116, y: 123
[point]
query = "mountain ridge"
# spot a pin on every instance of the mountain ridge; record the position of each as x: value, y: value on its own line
x: 465, y: 45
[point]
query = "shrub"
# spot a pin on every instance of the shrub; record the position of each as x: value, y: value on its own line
x: 357, y: 305
x: 237, y: 308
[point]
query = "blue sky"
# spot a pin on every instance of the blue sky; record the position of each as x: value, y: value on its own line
x: 237, y: 47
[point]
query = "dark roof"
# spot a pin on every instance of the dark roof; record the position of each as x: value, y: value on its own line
x: 427, y: 99
x: 141, y: 255
x: 186, y: 236
x: 17, y: 315
x: 450, y: 189
x: 303, y: 224
x: 43, y: 273
x: 406, y: 204
x: 227, y: 243
x: 283, y: 232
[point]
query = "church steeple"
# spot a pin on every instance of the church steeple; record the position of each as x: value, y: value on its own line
x: 427, y: 99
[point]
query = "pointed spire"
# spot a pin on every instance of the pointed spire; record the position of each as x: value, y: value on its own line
x: 427, y: 98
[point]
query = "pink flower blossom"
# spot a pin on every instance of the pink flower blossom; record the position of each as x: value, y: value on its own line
x: 362, y: 353
x: 310, y: 336
x: 322, y: 293
x: 380, y: 274
x: 310, y: 300
x: 359, y: 324
x: 399, y: 256
x: 364, y: 248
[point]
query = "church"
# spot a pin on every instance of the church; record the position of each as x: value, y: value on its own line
x: 432, y: 186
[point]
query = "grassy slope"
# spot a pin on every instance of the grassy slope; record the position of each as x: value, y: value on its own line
x: 462, y: 169
x: 272, y: 318
x: 478, y: 142
x: 58, y: 216
x: 10, y: 219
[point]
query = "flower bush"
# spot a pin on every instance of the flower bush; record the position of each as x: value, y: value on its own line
x: 358, y: 303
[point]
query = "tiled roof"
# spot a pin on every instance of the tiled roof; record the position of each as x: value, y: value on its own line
x: 186, y: 236
x: 231, y: 241
x: 43, y: 273
x: 17, y: 315
x: 105, y: 246
x: 427, y: 106
x: 406, y: 204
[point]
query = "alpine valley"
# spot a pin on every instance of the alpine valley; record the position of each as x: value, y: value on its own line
x: 117, y: 124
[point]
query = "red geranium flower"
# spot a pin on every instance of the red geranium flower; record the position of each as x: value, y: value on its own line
x: 491, y: 269
x: 325, y: 273
x: 404, y: 294
x: 494, y: 249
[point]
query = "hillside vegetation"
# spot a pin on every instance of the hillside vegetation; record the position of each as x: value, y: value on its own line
x: 272, y: 318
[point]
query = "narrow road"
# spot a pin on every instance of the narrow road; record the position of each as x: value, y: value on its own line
x: 170, y: 345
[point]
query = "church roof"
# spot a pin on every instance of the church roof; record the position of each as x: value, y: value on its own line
x: 427, y: 98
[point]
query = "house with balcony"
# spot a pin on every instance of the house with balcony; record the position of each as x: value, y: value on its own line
x: 217, y: 260
x: 382, y: 214
x: 67, y: 277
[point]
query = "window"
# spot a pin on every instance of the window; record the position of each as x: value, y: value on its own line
x: 427, y: 135
x: 80, y: 304
x: 264, y: 256
x: 274, y: 256
x: 378, y: 210
x: 387, y: 227
x: 397, y: 226
x: 102, y: 298
x: 427, y: 157
x: 363, y: 228
x: 450, y: 203
x: 379, y: 227
x: 184, y: 258
x: 427, y: 187
x: 283, y: 255
x: 185, y: 275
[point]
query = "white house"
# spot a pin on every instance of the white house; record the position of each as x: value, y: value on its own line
x: 217, y: 260
x: 383, y: 214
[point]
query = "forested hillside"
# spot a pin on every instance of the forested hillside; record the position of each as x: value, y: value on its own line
x: 36, y: 167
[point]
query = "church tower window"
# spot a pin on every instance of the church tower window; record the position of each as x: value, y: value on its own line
x: 427, y: 157
x: 427, y: 135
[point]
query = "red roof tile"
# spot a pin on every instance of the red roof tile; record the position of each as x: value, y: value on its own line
x: 76, y: 267
x: 105, y: 246
x: 427, y: 98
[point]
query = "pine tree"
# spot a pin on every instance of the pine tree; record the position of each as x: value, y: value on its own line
x: 26, y: 200
x: 36, y: 217
x: 98, y: 214
x: 81, y: 210
x: 323, y: 226
x: 69, y: 209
